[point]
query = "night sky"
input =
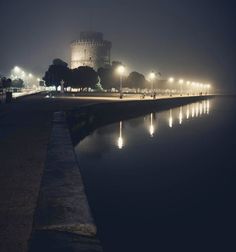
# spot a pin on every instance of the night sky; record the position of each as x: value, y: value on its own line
x: 193, y: 39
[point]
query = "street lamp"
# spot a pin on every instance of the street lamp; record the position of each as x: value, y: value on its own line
x: 152, y: 78
x: 193, y: 87
x: 202, y: 88
x: 208, y: 88
x: 188, y: 85
x: 23, y: 74
x: 181, y: 86
x: 17, y: 69
x: 171, y: 80
x: 121, y: 70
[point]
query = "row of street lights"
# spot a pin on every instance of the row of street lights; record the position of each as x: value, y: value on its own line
x: 192, y: 86
x: 19, y: 73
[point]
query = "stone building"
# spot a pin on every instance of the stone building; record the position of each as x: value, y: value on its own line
x: 90, y: 50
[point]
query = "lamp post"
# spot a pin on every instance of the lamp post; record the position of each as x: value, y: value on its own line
x: 171, y: 80
x: 121, y: 70
x: 17, y: 71
x: 181, y: 86
x: 208, y: 88
x: 152, y: 78
x: 28, y: 78
x: 188, y: 85
x: 193, y: 88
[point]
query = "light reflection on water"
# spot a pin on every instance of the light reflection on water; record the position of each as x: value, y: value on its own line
x: 162, y: 177
x: 176, y: 114
x: 121, y: 134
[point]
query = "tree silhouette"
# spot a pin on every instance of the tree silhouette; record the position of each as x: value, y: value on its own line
x: 6, y: 83
x: 83, y: 77
x: 109, y: 77
x: 18, y: 83
x: 136, y: 80
x: 57, y: 72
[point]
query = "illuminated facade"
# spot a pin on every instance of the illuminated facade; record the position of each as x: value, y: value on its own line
x: 90, y: 50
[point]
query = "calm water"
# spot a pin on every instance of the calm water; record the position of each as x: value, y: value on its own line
x: 166, y: 181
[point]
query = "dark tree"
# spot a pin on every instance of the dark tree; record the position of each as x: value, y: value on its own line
x: 83, y: 77
x: 57, y: 72
x: 59, y: 62
x: 18, y: 83
x: 6, y: 83
x: 109, y: 77
x: 136, y: 80
x: 106, y: 77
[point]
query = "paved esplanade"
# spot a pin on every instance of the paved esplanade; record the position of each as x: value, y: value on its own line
x: 25, y: 128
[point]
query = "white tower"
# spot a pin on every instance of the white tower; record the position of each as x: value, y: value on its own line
x: 90, y: 50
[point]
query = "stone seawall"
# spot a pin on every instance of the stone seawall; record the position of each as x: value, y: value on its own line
x: 63, y: 221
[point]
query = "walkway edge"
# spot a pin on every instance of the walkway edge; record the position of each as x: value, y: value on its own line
x: 62, y: 204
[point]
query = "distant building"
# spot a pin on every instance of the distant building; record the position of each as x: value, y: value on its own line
x: 90, y: 50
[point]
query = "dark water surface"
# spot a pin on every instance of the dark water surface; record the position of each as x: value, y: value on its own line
x: 166, y: 181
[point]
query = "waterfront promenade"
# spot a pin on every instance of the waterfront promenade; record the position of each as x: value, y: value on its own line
x: 25, y: 128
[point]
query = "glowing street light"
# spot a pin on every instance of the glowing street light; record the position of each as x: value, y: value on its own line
x: 208, y: 88
x: 181, y: 82
x: 23, y: 74
x: 193, y: 87
x: 188, y: 83
x: 17, y: 69
x: 152, y: 77
x: 171, y: 80
x: 120, y: 141
x: 121, y: 70
x: 202, y: 88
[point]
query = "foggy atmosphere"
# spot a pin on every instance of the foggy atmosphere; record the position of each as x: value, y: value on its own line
x: 117, y: 126
x: 186, y: 37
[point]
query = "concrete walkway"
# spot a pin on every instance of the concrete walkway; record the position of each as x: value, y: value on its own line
x: 25, y: 128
